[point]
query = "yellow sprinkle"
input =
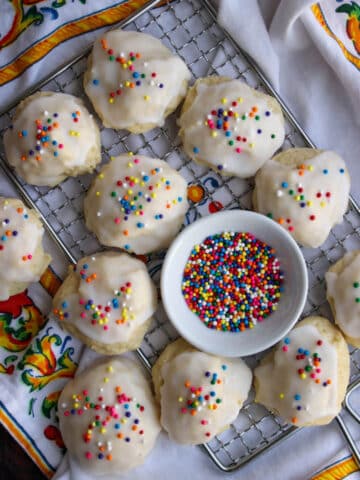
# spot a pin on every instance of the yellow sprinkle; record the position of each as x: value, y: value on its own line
x: 180, y: 399
x: 97, y: 194
x: 74, y: 396
x: 112, y: 158
x: 146, y: 97
x: 127, y: 84
x: 297, y: 198
x: 130, y: 165
x: 153, y: 195
x: 309, y: 203
x: 76, y: 405
x: 311, y: 168
x: 103, y: 430
x: 214, y: 134
x: 130, y: 154
x: 101, y: 175
x: 251, y: 145
x: 224, y: 100
x: 303, y: 376
x: 281, y: 396
x: 142, y: 184
x: 111, y: 100
x: 236, y: 115
x: 240, y: 100
x: 137, y: 213
x: 129, y: 192
x: 322, y: 204
x: 136, y: 180
x: 106, y: 379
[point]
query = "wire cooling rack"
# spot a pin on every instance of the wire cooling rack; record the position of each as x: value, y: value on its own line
x: 189, y: 28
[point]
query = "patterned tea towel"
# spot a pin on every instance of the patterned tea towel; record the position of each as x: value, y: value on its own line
x: 310, y: 52
x: 36, y: 356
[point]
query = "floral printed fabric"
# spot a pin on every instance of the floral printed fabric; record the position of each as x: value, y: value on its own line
x: 38, y: 36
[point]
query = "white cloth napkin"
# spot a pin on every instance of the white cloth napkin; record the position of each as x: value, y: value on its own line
x: 306, y: 65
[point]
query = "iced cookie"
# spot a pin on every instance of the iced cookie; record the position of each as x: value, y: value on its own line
x: 134, y: 81
x: 22, y: 258
x: 108, y: 417
x: 199, y: 394
x: 343, y: 294
x: 230, y: 127
x: 306, y: 191
x: 107, y: 301
x: 53, y: 137
x: 304, y: 378
x: 136, y: 203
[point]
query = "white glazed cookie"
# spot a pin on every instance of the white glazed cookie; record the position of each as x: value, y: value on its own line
x: 22, y: 258
x: 53, y: 136
x: 134, y: 81
x: 229, y: 126
x: 107, y: 301
x: 108, y: 417
x: 199, y: 394
x: 304, y: 378
x: 343, y: 293
x: 306, y: 191
x: 136, y: 203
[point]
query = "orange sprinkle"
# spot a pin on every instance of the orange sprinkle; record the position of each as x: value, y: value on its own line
x: 134, y: 428
x: 38, y: 158
x: 23, y: 158
x: 102, y: 448
x: 109, y: 457
x: 254, y: 109
x: 137, y: 55
x: 193, y: 413
x: 251, y: 114
x: 126, y: 233
x: 78, y: 112
x: 104, y: 43
x: 8, y: 233
x: 328, y: 381
x: 317, y: 380
x: 187, y: 383
x: 55, y: 125
x: 20, y: 134
x: 20, y: 210
x: 281, y: 220
x: 301, y: 173
x: 294, y: 420
x: 118, y: 389
x: 119, y: 435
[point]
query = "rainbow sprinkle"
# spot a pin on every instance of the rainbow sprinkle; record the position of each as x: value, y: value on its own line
x: 232, y: 281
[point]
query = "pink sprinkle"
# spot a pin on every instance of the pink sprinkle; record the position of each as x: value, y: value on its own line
x: 285, y: 348
x: 183, y: 410
x: 136, y: 160
x: 318, y: 370
x: 61, y: 145
x: 88, y: 455
x: 83, y: 315
x: 238, y: 150
x: 80, y: 412
x: 106, y: 327
x: 81, y: 301
x: 66, y: 413
x: 313, y: 375
x: 204, y: 422
x: 117, y: 220
x: 29, y: 257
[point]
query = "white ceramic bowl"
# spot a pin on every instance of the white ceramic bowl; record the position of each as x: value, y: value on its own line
x: 264, y: 334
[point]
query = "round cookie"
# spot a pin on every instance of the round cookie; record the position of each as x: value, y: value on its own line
x: 199, y: 394
x: 53, y: 137
x: 22, y: 258
x: 134, y: 81
x: 343, y: 294
x: 230, y: 127
x: 306, y: 191
x: 304, y: 379
x: 108, y: 417
x: 136, y: 203
x: 107, y: 301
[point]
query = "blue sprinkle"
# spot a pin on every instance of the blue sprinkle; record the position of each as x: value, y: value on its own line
x: 85, y: 266
x: 127, y: 247
x: 284, y: 184
x: 96, y: 81
x: 297, y: 396
x: 64, y: 305
x: 196, y: 150
x: 325, y: 171
x: 287, y: 341
x: 224, y: 367
x: 342, y: 170
x: 24, y: 133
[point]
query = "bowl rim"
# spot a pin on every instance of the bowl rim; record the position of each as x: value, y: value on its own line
x: 166, y: 270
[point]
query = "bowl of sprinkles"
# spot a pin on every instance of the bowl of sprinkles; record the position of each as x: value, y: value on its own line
x: 234, y: 283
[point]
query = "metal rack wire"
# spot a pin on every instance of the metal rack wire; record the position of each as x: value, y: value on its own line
x: 189, y: 28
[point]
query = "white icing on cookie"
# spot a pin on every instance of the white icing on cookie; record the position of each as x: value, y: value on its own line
x: 307, y: 200
x: 108, y: 418
x: 22, y: 259
x: 53, y: 136
x: 300, y: 383
x: 133, y: 79
x: 201, y: 395
x: 136, y: 203
x: 344, y: 289
x: 110, y: 297
x: 231, y: 128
